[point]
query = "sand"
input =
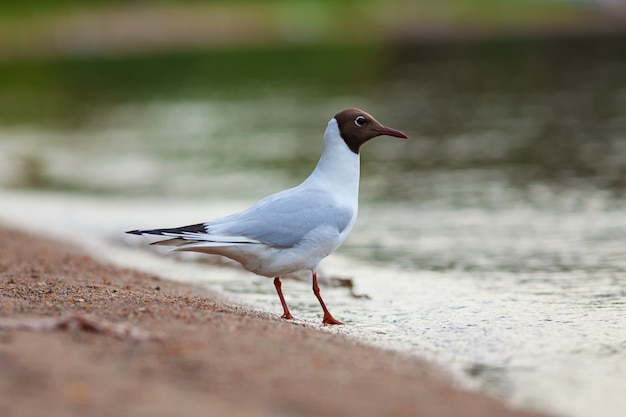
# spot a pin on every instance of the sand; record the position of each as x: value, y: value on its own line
x: 78, y: 337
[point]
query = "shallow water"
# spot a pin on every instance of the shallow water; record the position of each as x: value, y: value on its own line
x: 492, y: 242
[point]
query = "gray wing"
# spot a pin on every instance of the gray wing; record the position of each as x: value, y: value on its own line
x: 283, y: 219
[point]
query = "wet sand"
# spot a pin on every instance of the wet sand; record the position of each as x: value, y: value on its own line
x: 78, y: 337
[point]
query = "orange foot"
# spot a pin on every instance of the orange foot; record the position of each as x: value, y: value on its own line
x: 328, y: 319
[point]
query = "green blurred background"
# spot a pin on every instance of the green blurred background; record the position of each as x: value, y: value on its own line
x: 54, y: 53
x: 533, y: 89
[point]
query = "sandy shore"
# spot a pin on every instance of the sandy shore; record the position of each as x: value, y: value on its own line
x: 82, y: 338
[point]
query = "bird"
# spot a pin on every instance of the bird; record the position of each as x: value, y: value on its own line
x: 294, y: 229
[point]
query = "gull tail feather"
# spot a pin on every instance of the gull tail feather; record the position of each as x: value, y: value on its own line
x: 193, y: 236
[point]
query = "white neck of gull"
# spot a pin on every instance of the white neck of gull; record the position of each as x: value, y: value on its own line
x: 338, y: 168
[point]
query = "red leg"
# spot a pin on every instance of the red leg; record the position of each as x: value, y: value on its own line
x: 286, y: 313
x: 328, y: 318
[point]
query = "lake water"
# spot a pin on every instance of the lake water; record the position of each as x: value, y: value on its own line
x: 491, y: 242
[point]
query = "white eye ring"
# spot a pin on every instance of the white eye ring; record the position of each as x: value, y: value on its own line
x: 360, y: 121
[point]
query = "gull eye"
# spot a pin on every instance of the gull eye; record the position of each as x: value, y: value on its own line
x: 360, y: 121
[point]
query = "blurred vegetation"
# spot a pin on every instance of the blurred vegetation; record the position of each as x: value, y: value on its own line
x: 60, y: 54
x: 63, y: 91
x: 63, y: 25
x: 485, y: 10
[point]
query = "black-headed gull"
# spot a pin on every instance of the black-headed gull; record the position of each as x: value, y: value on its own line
x: 294, y: 229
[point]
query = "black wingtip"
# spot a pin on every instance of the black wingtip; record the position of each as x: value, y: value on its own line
x: 193, y: 228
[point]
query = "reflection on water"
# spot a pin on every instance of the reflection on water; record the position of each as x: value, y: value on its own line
x: 492, y: 241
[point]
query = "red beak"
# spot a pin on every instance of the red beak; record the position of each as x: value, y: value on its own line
x: 392, y: 132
